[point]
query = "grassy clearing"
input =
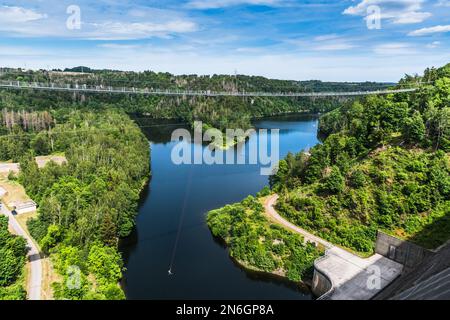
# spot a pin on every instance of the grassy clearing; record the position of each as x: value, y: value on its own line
x: 56, y: 158
x: 15, y: 191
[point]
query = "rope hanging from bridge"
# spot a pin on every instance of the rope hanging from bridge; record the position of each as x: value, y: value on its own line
x: 21, y: 85
x: 181, y: 220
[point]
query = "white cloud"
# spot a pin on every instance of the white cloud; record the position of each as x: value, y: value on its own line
x: 280, y: 66
x: 396, y: 11
x: 332, y: 42
x: 433, y: 45
x: 334, y: 47
x: 103, y: 30
x: 430, y: 30
x: 412, y: 17
x: 128, y: 25
x: 138, y: 30
x: 19, y: 15
x: 105, y: 20
x: 215, y: 4
x: 20, y: 51
x: 119, y: 46
x: 326, y: 37
x: 394, y: 49
x: 443, y: 3
x: 251, y: 50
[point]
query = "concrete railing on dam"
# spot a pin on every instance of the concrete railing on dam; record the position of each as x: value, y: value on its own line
x: 322, y: 285
x: 408, y: 254
x: 341, y: 275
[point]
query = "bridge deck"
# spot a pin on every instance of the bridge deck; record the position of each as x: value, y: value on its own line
x: 150, y: 91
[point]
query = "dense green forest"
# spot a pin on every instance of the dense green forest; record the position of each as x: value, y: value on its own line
x: 383, y: 164
x: 13, y: 252
x: 259, y: 245
x: 218, y: 112
x: 86, y: 205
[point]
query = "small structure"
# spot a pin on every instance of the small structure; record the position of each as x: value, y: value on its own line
x: 3, y: 192
x: 23, y: 207
x: 9, y: 167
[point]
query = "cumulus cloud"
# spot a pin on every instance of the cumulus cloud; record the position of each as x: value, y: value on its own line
x: 396, y: 11
x: 128, y: 25
x: 430, y: 30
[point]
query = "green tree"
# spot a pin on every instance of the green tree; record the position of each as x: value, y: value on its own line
x: 52, y: 238
x: 105, y: 263
x: 414, y: 129
x: 335, y: 182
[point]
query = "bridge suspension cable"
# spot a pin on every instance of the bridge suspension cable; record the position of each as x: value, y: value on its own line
x: 21, y: 85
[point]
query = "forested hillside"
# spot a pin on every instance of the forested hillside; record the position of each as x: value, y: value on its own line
x: 384, y: 164
x: 86, y: 205
x: 219, y: 112
x: 260, y: 245
x: 12, y: 262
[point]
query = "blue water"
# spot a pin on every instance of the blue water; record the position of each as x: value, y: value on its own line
x: 175, y: 205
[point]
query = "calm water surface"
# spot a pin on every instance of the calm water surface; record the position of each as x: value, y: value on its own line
x: 175, y: 204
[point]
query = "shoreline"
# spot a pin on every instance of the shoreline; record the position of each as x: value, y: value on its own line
x: 303, y: 285
x: 301, y: 288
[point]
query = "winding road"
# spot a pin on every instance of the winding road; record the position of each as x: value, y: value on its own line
x: 273, y: 214
x: 35, y: 276
x: 348, y: 273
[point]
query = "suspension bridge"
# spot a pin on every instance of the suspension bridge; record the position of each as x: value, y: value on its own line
x: 84, y: 88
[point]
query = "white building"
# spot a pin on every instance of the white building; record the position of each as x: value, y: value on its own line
x: 3, y: 192
x: 24, y: 207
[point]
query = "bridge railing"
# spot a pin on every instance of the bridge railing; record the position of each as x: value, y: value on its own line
x: 176, y: 92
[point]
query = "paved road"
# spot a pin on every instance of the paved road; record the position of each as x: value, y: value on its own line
x: 349, y: 274
x: 35, y: 277
x: 272, y: 213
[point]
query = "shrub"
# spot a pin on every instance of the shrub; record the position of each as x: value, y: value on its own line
x: 335, y: 182
x: 358, y: 179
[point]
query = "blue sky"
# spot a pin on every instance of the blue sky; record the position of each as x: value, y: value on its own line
x: 286, y: 39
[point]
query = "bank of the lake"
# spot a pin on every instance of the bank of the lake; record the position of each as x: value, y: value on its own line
x: 259, y: 245
x: 174, y: 206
